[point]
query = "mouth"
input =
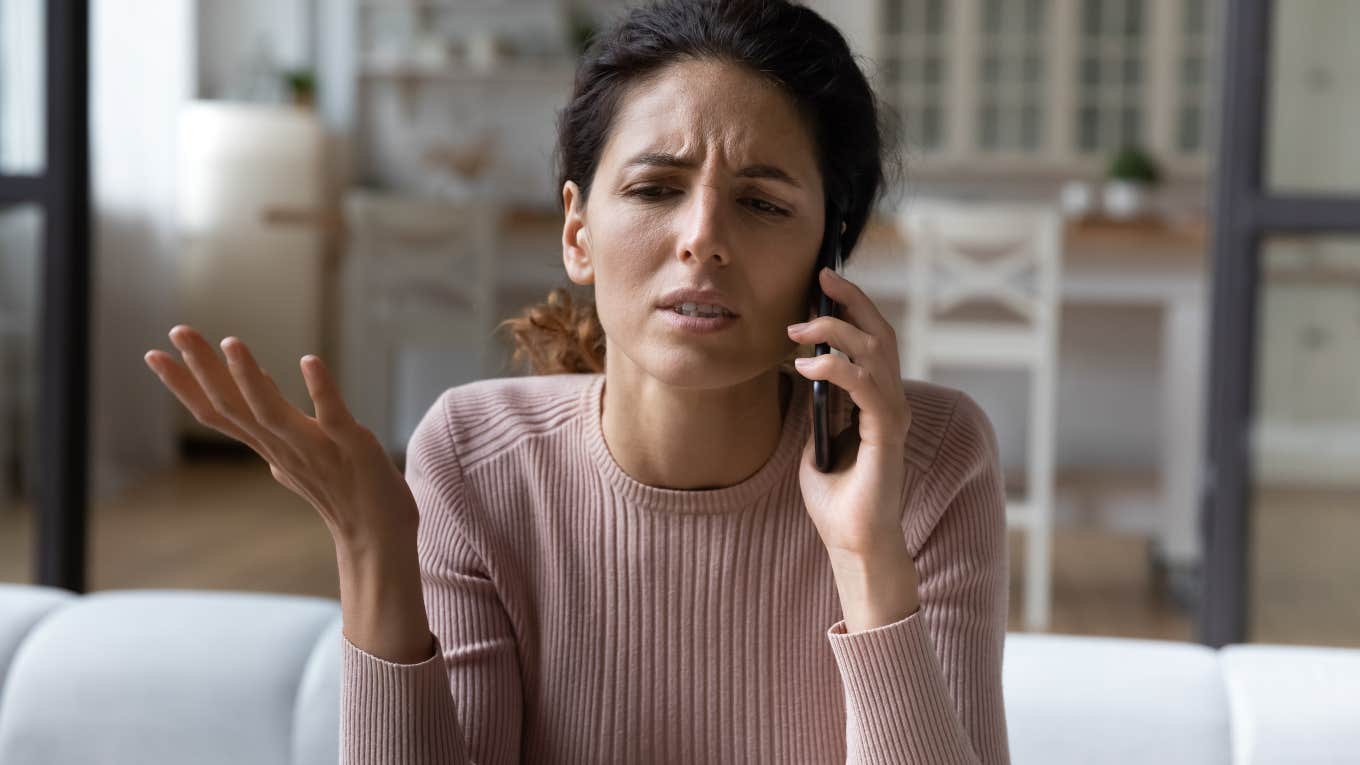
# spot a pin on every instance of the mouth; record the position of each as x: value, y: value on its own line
x: 693, y: 320
x: 701, y: 310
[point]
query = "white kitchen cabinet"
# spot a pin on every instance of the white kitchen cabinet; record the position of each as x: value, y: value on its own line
x: 239, y: 275
x: 1307, y: 409
x: 1047, y: 86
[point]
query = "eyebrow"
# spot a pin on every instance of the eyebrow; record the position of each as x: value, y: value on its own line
x: 664, y: 159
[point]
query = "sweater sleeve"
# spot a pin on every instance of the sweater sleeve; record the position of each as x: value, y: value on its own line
x: 464, y: 703
x: 927, y: 688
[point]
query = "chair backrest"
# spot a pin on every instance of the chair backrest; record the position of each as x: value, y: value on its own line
x: 961, y: 251
x: 422, y: 257
x: 1001, y: 259
x: 419, y: 275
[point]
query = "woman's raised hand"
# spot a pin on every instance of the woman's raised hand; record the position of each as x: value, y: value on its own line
x: 330, y: 460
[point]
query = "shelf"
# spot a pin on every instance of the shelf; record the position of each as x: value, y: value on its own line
x: 477, y: 6
x: 517, y: 71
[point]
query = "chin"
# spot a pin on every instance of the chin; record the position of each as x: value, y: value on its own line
x: 689, y: 370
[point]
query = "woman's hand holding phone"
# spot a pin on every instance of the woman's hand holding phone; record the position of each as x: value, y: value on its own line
x: 331, y: 461
x: 857, y: 504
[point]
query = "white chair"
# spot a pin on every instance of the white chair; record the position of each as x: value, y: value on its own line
x: 963, y: 254
x: 419, y: 273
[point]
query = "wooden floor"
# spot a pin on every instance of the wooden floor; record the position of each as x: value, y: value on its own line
x: 225, y: 524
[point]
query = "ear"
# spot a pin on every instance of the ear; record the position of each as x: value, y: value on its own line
x: 576, y: 237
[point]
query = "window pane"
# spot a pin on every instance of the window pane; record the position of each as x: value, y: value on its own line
x: 1133, y: 18
x: 22, y: 81
x: 991, y: 69
x: 992, y: 17
x: 1029, y: 127
x: 1192, y: 70
x: 1305, y: 439
x: 934, y: 71
x: 914, y: 69
x: 935, y: 16
x: 1034, y: 16
x: 1110, y: 94
x: 930, y: 126
x: 20, y: 243
x: 1090, y: 71
x: 1133, y: 71
x: 1314, y: 98
x: 1188, y: 129
x: 1088, y: 128
x: 892, y: 16
x: 1090, y: 13
x: 1194, y: 22
x: 1130, y: 126
x: 991, y: 126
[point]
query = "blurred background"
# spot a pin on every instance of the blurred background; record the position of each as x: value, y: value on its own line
x: 371, y: 180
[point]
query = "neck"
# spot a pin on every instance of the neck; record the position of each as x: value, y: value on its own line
x: 691, y: 438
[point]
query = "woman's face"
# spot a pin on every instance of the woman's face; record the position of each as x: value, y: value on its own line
x: 708, y: 180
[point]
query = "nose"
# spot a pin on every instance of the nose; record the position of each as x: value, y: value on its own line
x: 702, y: 229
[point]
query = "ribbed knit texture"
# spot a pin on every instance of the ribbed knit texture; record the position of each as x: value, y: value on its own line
x: 583, y: 617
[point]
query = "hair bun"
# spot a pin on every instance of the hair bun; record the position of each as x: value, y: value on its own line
x: 559, y: 336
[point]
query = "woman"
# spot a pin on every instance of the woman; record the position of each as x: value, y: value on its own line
x: 637, y: 561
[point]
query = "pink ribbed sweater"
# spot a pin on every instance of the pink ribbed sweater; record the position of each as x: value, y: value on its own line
x: 583, y: 617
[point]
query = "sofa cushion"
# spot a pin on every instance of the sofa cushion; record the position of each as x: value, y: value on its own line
x: 164, y: 676
x: 1294, y: 704
x: 1081, y: 699
x: 22, y: 606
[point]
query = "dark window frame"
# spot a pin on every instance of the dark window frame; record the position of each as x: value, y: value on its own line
x: 62, y: 194
x: 1245, y: 213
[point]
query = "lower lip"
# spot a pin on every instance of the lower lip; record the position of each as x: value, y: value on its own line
x: 697, y: 323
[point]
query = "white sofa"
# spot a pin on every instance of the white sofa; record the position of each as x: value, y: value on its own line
x: 173, y: 676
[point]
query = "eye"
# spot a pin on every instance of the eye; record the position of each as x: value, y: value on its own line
x: 766, y: 207
x: 650, y: 193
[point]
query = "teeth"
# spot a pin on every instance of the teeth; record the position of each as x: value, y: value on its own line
x: 700, y: 309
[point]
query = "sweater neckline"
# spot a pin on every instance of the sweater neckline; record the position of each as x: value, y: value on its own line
x: 782, y: 461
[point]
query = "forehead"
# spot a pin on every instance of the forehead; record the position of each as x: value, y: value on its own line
x: 703, y: 108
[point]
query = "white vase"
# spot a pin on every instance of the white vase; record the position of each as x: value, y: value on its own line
x: 1125, y: 199
x: 1076, y: 199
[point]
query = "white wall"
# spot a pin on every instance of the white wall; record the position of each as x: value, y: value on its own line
x: 136, y: 90
x: 241, y: 43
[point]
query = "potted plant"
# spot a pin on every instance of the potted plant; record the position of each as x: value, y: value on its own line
x: 1131, y: 177
x: 301, y: 85
x: 582, y: 26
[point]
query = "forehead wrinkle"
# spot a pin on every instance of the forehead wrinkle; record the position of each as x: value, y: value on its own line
x: 698, y: 132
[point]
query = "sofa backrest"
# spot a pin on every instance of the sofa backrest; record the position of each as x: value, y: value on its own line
x: 166, y: 676
x: 175, y: 676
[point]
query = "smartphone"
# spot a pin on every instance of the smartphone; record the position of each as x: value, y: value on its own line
x: 828, y: 256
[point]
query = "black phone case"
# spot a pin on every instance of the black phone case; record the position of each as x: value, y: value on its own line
x: 828, y: 256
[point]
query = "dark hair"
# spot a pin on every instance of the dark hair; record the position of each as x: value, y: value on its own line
x: 789, y: 44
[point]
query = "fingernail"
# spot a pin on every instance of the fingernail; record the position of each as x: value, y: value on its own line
x: 801, y: 362
x: 799, y: 327
x: 833, y: 273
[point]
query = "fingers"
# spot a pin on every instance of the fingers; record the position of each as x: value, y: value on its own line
x: 221, y: 390
x: 854, y: 342
x: 859, y: 307
x: 331, y: 412
x: 882, y: 419
x: 266, y: 402
x: 182, y: 383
